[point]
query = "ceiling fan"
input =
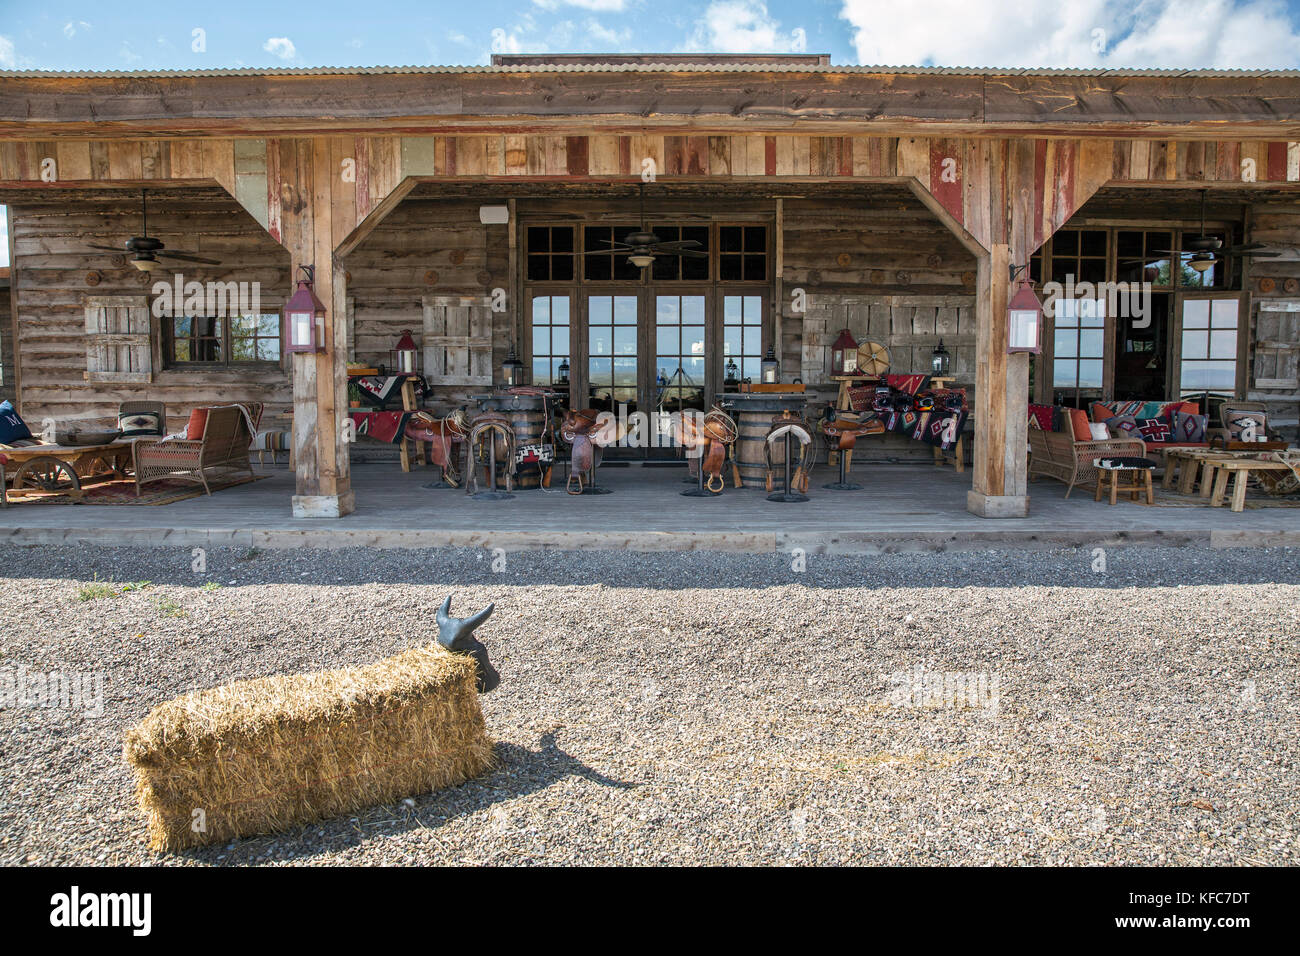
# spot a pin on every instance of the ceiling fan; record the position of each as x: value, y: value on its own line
x: 145, y: 250
x: 1204, y: 251
x: 642, y: 246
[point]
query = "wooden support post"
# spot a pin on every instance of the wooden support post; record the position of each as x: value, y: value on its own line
x: 1000, y: 482
x: 320, y: 380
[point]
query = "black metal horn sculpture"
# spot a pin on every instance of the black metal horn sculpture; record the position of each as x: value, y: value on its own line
x: 457, y: 635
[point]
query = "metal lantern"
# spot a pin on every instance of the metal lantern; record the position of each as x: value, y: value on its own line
x: 771, y: 368
x: 1025, y: 320
x: 563, y: 373
x: 844, y: 354
x: 304, y: 317
x: 405, y: 357
x: 731, y: 381
x: 513, y: 369
x: 940, y: 361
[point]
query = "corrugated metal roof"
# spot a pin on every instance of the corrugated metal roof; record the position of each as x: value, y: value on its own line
x: 689, y: 67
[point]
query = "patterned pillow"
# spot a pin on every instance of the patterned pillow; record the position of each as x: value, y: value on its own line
x: 12, y: 428
x: 1155, y: 431
x: 1246, y: 426
x: 1187, y: 428
x: 1123, y: 426
x: 1040, y: 417
x: 141, y: 423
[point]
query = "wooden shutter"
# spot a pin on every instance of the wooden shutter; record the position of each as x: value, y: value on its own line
x: 1277, y: 344
x: 118, y: 343
x: 458, y: 340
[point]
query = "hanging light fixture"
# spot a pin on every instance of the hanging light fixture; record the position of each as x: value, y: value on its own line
x: 304, y: 317
x: 1024, y: 317
x: 940, y: 361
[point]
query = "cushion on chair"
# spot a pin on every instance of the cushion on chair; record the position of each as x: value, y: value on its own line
x: 198, y: 422
x: 1124, y: 461
x: 1187, y: 428
x: 1154, y: 431
x: 1240, y: 424
x: 1099, y: 431
x: 140, y: 423
x: 12, y: 428
x: 1079, y: 424
x: 271, y: 439
x: 1123, y: 426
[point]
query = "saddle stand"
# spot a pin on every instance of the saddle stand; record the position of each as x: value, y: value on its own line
x: 846, y: 431
x: 713, y: 437
x: 587, y: 436
x: 493, y: 429
x: 786, y: 428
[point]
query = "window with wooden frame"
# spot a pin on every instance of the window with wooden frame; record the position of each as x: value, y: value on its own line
x: 1208, y: 357
x: 679, y: 348
x: 216, y: 341
x: 742, y: 335
x: 742, y: 253
x: 119, y: 339
x: 549, y: 253
x: 1079, y: 348
x: 668, y: 268
x: 550, y: 337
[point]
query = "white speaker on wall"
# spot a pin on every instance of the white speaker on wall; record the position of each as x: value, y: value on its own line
x: 494, y: 215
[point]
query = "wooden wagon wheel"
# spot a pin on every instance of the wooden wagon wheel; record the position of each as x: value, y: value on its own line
x: 46, y: 473
x: 873, y: 359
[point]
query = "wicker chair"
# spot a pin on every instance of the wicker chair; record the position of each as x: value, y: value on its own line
x: 223, y: 448
x: 1231, y: 406
x: 144, y: 408
x: 1058, y: 455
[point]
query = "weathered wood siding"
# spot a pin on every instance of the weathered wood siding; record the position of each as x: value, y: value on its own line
x: 6, y: 344
x: 426, y: 247
x: 1277, y: 225
x: 56, y: 271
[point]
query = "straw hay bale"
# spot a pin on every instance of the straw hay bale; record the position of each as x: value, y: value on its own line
x: 261, y: 755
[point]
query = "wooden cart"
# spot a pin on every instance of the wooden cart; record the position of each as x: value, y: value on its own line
x: 64, y: 469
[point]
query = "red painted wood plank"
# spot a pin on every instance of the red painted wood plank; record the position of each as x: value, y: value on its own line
x: 769, y: 155
x: 575, y: 148
x: 1040, y: 183
x: 451, y: 157
x: 946, y: 175
x: 1277, y: 162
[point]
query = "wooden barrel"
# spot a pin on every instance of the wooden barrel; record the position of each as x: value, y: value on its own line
x: 527, y: 416
x: 754, y: 414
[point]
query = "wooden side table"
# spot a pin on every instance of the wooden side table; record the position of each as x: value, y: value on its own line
x: 1110, y: 471
x: 1240, y: 469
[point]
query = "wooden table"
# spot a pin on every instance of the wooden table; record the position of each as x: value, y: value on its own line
x: 61, y: 469
x: 1184, y: 464
x: 1240, y: 469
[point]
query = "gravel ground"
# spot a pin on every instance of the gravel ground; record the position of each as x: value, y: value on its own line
x: 723, y: 709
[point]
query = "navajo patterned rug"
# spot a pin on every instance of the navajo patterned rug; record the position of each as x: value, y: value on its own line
x: 123, y: 493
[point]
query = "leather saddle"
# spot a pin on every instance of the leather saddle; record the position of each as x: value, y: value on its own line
x: 711, y: 433
x: 440, y: 434
x: 846, y: 431
x: 788, y: 424
x: 586, y: 430
x: 495, y: 428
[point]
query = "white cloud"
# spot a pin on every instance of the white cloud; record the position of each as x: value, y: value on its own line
x: 739, y: 26
x: 597, y: 6
x: 1237, y: 34
x: 7, y: 59
x: 126, y: 53
x: 280, y: 46
x: 607, y: 35
x: 355, y: 43
x: 71, y: 27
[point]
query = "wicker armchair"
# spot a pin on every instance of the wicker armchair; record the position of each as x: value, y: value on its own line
x: 1058, y: 455
x: 223, y: 448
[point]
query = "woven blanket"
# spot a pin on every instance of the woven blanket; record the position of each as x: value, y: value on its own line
x: 381, y: 389
x: 389, y: 427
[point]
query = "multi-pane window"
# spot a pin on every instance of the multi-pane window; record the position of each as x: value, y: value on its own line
x: 1079, y: 253
x: 742, y: 253
x: 1209, y: 355
x: 1079, y: 346
x: 550, y: 337
x: 669, y: 267
x: 1138, y: 258
x: 212, y: 340
x: 742, y: 334
x: 679, y: 347
x: 611, y: 351
x: 550, y: 253
x: 598, y: 267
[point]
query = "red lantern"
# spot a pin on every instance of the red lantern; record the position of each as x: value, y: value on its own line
x: 304, y: 318
x: 1024, y: 320
x: 844, y: 354
x: 405, y: 357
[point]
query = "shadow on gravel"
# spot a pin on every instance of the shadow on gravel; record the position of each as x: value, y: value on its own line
x: 451, y: 568
x: 519, y: 772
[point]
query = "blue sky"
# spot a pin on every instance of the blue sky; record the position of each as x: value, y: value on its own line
x: 1153, y: 33
x: 1238, y: 34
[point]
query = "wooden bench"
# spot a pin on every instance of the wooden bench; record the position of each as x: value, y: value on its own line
x: 1240, y: 469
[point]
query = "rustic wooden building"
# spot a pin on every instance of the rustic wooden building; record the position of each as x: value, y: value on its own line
x: 890, y: 202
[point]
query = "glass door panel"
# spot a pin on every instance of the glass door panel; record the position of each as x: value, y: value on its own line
x: 681, y: 372
x: 613, y: 369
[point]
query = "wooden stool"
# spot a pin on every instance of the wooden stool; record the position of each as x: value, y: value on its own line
x: 1110, y: 471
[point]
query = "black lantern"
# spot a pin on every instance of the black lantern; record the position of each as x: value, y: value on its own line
x: 513, y: 369
x: 940, y: 361
x: 732, y: 371
x: 564, y: 373
x: 771, y: 368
